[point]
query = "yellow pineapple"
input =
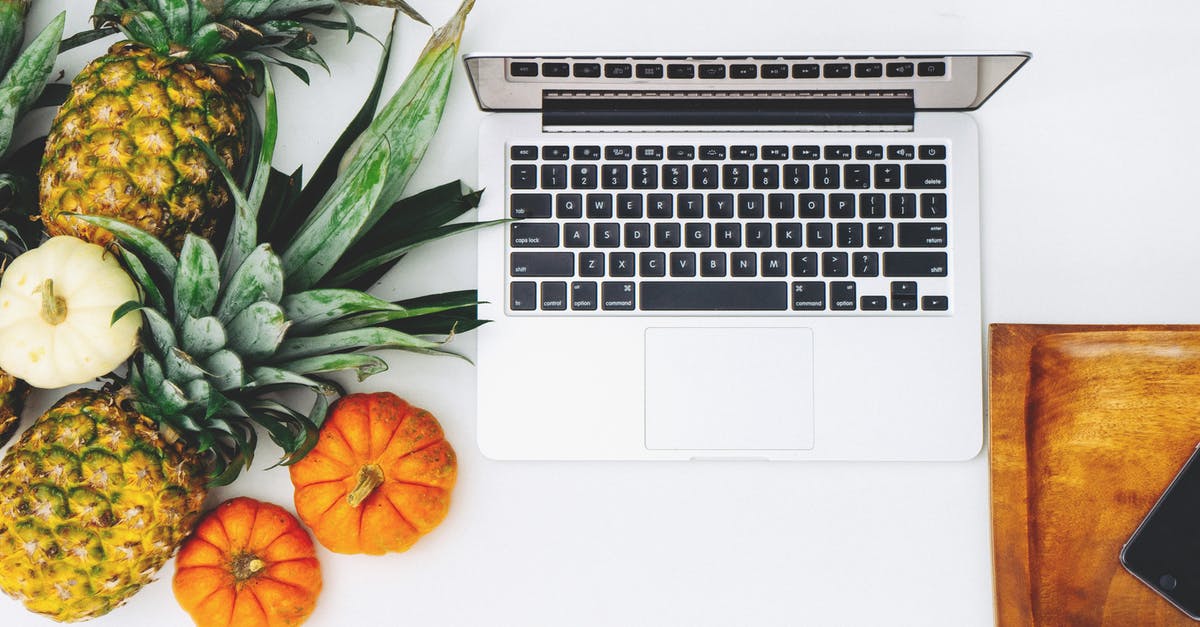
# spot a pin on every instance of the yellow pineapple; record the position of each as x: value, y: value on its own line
x: 12, y: 393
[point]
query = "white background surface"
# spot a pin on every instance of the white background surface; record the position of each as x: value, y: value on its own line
x: 1090, y: 214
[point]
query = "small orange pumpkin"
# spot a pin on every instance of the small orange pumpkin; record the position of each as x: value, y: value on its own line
x: 248, y: 564
x: 379, y: 477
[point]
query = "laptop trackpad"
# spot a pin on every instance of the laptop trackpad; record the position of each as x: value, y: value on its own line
x: 729, y: 389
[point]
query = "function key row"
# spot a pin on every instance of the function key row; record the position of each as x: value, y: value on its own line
x: 727, y: 176
x: 931, y: 152
x: 709, y: 70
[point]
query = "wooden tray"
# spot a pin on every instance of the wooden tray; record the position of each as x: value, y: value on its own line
x: 1088, y: 426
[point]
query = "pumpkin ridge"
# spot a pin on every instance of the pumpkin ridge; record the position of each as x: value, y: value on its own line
x: 393, y: 405
x: 214, y: 591
x: 419, y: 449
x: 388, y: 499
x: 279, y: 537
x: 261, y: 608
x: 286, y: 584
x: 205, y: 541
x: 403, y: 419
x: 335, y: 430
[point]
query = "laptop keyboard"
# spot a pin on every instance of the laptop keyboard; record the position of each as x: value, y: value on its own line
x: 812, y: 229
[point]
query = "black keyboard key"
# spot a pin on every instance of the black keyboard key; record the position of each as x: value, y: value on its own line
x: 887, y: 176
x: 554, y: 295
x: 582, y: 176
x: 614, y: 176
x: 773, y: 264
x: 804, y: 264
x: 621, y: 265
x: 660, y: 206
x: 618, y: 296
x: 808, y: 295
x: 712, y: 153
x: 933, y: 206
x: 667, y: 235
x: 681, y: 153
x: 925, y: 176
x: 865, y: 264
x: 522, y: 296
x: 766, y: 176
x: 683, y: 264
x: 681, y: 70
x: 649, y: 70
x: 868, y: 153
x: 880, y: 235
x: 650, y: 153
x: 899, y: 70
x: 690, y: 206
x: 835, y: 264
x: 903, y: 206
x: 697, y: 234
x: 872, y: 206
x: 618, y: 153
x: 849, y: 235
x: 935, y: 303
x: 901, y: 152
x: 712, y: 70
x: 629, y: 206
x: 788, y: 235
x: 750, y: 205
x: 706, y: 176
x: 843, y: 295
x: 931, y: 152
x: 743, y: 153
x: 637, y: 235
x: 914, y: 264
x: 837, y: 70
x: 554, y: 176
x: 922, y: 235
x: 645, y: 176
x: 735, y: 176
x: 743, y: 70
x: 758, y: 234
x: 820, y: 235
x: 591, y: 264
x: 812, y: 206
x: 599, y: 206
x: 806, y: 70
x: 743, y: 265
x: 858, y: 176
x: 774, y: 70
x: 728, y: 234
x: 583, y: 296
x: 775, y: 153
x: 904, y: 303
x: 587, y: 153
x: 568, y: 206
x: 523, y: 153
x: 795, y: 176
x: 826, y: 176
x: 712, y: 264
x: 904, y: 288
x: 837, y: 153
x: 555, y: 70
x: 931, y: 68
x: 522, y: 177
x: 781, y: 205
x: 841, y: 206
x: 868, y: 70
x: 577, y: 235
x: 587, y: 70
x: 529, y: 205
x: 714, y: 296
x: 542, y: 264
x: 675, y: 176
x: 618, y: 70
x: 873, y: 303
x: 806, y: 153
x: 606, y: 234
x: 652, y: 265
x: 533, y: 235
x: 523, y: 68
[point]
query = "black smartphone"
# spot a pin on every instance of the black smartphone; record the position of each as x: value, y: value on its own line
x: 1164, y: 551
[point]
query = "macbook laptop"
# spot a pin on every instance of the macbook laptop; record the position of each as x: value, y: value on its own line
x: 731, y: 257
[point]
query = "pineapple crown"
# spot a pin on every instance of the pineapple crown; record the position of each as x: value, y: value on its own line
x: 225, y: 333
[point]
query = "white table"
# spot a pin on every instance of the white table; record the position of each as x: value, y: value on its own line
x: 1088, y: 216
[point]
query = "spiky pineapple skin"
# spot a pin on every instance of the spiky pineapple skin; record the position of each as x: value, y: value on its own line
x: 93, y: 501
x: 123, y: 145
x: 12, y: 396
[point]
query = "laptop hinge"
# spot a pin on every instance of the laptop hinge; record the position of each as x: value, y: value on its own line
x: 574, y: 111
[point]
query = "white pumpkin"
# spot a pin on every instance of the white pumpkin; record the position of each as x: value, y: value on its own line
x: 56, y: 307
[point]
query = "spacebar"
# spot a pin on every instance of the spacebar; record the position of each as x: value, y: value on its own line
x: 714, y: 296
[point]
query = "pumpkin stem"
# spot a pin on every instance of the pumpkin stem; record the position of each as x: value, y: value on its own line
x: 246, y: 566
x: 369, y: 478
x: 54, y: 308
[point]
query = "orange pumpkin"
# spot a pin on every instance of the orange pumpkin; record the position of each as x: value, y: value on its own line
x: 248, y: 564
x: 379, y: 477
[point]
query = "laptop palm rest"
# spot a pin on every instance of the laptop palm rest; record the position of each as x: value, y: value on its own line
x: 729, y: 389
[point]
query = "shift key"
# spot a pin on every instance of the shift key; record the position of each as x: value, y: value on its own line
x: 914, y: 264
x: 542, y: 264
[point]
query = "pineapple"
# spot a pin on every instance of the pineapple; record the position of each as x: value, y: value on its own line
x: 123, y: 144
x: 101, y: 490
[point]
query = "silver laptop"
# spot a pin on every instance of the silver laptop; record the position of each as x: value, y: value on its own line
x: 731, y: 257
